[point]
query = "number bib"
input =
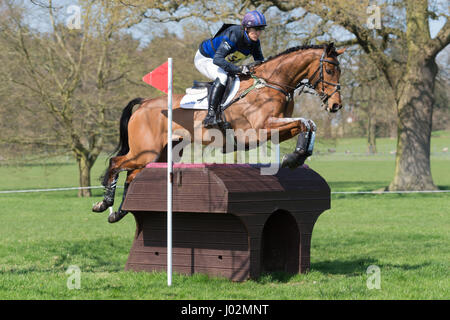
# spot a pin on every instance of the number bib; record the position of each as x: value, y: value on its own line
x: 236, y: 57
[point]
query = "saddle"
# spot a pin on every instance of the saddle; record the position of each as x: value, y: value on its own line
x: 197, y: 96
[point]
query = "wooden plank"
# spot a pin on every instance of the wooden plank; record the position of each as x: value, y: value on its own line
x: 197, y: 237
x: 234, y: 275
x: 179, y: 250
x: 184, y: 221
x: 192, y: 260
x: 261, y: 207
x: 207, y: 245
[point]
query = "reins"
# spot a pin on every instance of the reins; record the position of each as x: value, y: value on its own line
x: 289, y: 93
x: 259, y: 82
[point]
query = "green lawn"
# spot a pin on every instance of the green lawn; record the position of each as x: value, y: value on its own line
x: 406, y: 236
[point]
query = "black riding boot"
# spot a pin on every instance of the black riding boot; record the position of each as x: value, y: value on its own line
x: 215, y: 97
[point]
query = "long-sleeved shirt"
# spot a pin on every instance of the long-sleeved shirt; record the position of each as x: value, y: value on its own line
x: 231, y: 46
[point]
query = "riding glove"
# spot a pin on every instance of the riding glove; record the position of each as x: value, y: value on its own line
x: 244, y: 70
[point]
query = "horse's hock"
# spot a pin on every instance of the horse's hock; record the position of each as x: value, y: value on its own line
x: 228, y: 220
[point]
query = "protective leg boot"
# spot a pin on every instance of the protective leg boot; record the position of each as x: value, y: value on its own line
x: 215, y: 97
x: 119, y: 214
x: 297, y: 158
x: 302, y: 143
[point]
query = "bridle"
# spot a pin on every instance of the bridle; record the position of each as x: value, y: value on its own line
x: 322, y: 94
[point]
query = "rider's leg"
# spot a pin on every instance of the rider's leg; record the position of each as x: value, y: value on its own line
x: 214, y: 99
x: 209, y: 69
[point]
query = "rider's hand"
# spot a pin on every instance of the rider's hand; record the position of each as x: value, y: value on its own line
x: 244, y: 70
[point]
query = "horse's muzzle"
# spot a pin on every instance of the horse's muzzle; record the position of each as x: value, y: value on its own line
x: 336, y: 107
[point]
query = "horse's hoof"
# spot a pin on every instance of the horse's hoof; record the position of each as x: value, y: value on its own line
x: 292, y: 160
x: 288, y: 161
x: 301, y: 161
x: 226, y: 125
x: 100, y: 206
x: 116, y: 216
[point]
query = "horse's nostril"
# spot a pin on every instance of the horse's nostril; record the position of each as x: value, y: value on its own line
x: 336, y: 106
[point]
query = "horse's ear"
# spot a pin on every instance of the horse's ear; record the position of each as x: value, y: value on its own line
x: 330, y: 48
x: 340, y: 51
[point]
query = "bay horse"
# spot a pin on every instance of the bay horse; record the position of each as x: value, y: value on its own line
x: 144, y: 136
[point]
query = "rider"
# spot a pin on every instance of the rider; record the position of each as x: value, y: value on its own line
x: 231, y: 44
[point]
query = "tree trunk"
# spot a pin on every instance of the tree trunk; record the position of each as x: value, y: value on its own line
x: 371, y: 135
x: 415, y: 111
x: 84, y: 168
x: 414, y: 96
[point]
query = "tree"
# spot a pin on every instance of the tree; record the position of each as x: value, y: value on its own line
x: 74, y: 75
x: 370, y: 97
x: 412, y: 80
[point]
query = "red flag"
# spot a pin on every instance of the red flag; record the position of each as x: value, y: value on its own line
x: 158, y: 78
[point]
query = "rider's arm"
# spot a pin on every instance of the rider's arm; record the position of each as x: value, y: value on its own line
x: 222, y: 51
x: 257, y: 52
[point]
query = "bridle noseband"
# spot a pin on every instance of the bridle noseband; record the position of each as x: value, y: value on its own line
x: 323, y: 96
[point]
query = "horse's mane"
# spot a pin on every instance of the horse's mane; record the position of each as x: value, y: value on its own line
x: 293, y: 49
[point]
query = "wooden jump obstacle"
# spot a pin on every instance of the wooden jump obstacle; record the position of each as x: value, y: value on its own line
x: 228, y: 220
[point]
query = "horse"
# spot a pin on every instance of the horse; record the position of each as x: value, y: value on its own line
x: 144, y: 132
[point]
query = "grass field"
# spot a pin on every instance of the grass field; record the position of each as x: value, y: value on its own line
x: 405, y: 235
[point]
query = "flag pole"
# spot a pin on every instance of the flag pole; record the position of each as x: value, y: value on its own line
x: 169, y: 174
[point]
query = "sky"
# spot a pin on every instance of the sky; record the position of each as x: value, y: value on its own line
x: 41, y: 23
x: 38, y: 20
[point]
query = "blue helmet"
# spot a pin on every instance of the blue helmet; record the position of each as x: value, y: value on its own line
x: 254, y: 19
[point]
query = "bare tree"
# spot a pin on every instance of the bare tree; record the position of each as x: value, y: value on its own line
x: 370, y: 98
x: 412, y: 79
x: 74, y: 76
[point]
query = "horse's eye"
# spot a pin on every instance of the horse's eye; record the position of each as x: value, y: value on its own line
x: 329, y: 71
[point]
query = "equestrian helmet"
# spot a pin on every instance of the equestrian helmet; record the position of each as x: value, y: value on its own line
x: 254, y: 19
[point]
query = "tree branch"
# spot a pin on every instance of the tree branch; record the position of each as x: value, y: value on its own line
x: 441, y: 41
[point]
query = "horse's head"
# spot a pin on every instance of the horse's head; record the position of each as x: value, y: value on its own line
x: 325, y: 79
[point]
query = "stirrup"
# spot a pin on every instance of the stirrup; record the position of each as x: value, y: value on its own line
x: 218, y: 118
x: 209, y: 121
x: 225, y: 125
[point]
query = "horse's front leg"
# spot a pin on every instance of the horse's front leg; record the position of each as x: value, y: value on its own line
x: 288, y: 128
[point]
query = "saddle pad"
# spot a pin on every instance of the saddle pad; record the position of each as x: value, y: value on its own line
x: 198, y: 98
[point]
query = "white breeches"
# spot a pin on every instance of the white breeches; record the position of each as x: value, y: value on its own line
x: 209, y: 69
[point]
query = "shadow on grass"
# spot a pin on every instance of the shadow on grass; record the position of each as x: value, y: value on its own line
x: 349, y: 268
x: 98, y: 255
x: 277, y: 276
x: 359, y: 267
x: 344, y: 267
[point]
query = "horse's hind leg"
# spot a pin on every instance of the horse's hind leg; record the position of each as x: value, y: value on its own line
x: 162, y: 157
x: 119, y: 214
x: 110, y: 183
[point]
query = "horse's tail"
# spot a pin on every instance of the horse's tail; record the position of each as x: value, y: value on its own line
x: 123, y: 147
